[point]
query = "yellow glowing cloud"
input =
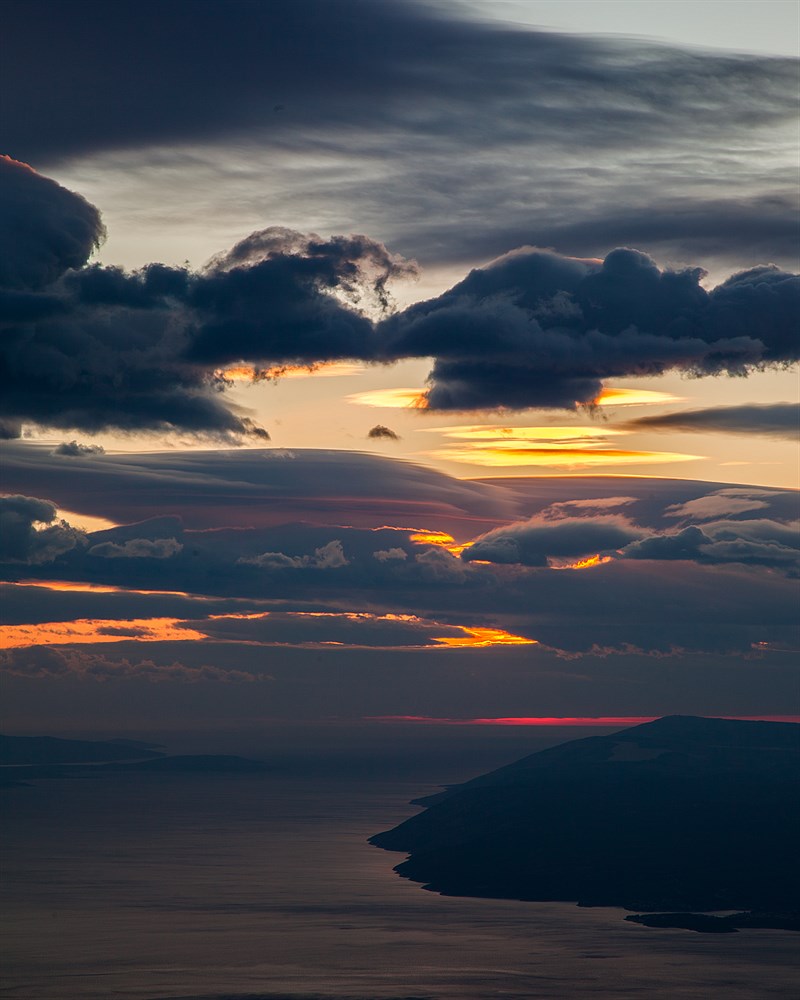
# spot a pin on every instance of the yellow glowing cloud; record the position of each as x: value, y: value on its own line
x: 634, y: 397
x: 392, y: 399
x: 513, y: 454
x: 571, y: 447
x: 507, y: 436
x: 440, y: 538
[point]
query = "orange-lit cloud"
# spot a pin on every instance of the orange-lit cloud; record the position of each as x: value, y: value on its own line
x: 478, y: 637
x: 391, y: 399
x: 88, y: 631
x: 98, y: 588
x: 321, y: 369
x: 440, y: 539
x: 587, y: 563
x: 91, y: 630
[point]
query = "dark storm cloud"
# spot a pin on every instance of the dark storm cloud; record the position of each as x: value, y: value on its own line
x: 31, y: 533
x: 102, y: 348
x: 140, y: 351
x: 108, y: 356
x: 779, y: 420
x: 44, y: 230
x: 535, y: 329
x: 271, y: 298
x: 379, y: 431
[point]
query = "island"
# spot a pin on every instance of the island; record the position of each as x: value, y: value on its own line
x: 677, y: 819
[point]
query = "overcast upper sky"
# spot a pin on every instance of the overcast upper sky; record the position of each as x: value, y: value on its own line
x: 279, y: 282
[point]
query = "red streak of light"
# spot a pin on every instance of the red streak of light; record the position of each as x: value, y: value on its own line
x: 600, y: 720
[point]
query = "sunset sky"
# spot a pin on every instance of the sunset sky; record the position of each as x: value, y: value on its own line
x: 369, y: 359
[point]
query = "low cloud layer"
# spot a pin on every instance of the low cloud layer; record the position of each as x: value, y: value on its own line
x: 655, y: 566
x: 534, y: 542
x: 756, y: 541
x: 60, y: 664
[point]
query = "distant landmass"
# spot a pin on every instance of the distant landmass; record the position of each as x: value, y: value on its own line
x: 51, y: 750
x: 25, y: 758
x: 680, y: 817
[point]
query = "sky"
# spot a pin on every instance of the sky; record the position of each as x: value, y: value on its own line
x: 383, y: 360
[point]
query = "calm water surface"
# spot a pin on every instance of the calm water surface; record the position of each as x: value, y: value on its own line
x: 263, y: 886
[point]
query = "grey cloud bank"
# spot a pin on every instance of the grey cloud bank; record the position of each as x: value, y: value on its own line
x: 313, y: 111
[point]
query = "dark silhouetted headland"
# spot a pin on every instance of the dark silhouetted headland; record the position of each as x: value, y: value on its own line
x: 682, y: 815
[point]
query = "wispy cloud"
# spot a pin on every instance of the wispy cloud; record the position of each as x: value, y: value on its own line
x: 777, y: 420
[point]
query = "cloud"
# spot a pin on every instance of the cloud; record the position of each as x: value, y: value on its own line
x: 101, y: 348
x: 719, y: 503
x: 74, y: 448
x: 257, y: 487
x: 138, y: 548
x: 31, y: 533
x: 439, y: 566
x: 779, y: 420
x: 273, y: 297
x: 329, y: 556
x: 757, y: 542
x: 44, y: 231
x: 535, y: 329
x: 533, y: 542
x: 379, y: 431
x: 389, y: 555
x: 571, y: 508
x: 246, y: 60
x: 511, y: 141
x: 43, y: 663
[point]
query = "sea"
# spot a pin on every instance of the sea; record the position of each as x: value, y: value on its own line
x: 263, y: 886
